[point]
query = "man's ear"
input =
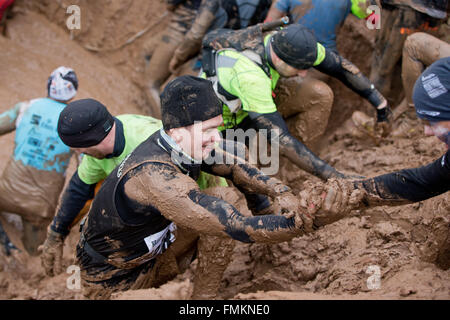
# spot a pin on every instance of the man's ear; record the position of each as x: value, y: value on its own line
x: 176, y: 135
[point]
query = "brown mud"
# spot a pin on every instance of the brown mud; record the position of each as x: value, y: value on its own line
x: 407, y: 246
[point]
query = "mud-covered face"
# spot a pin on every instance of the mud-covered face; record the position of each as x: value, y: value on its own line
x: 440, y: 129
x: 199, y: 139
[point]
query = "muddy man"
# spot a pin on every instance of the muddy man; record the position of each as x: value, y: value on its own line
x: 34, y: 175
x: 337, y: 198
x: 246, y: 76
x: 150, y: 219
x: 87, y: 127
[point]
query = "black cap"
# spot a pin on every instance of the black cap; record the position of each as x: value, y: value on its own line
x: 187, y: 99
x: 431, y: 93
x: 84, y: 123
x: 296, y: 45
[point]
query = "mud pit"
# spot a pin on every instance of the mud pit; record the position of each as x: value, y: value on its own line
x: 408, y: 245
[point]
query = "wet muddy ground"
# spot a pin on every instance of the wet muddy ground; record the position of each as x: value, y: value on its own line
x: 383, y: 253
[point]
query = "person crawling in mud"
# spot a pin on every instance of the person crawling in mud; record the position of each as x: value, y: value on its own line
x: 336, y: 198
x: 34, y: 175
x: 88, y: 128
x: 149, y: 219
x: 245, y: 67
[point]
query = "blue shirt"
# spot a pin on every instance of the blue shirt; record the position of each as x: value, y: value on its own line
x: 323, y: 17
x: 37, y: 143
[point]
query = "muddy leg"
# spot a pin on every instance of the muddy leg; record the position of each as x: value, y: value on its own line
x: 214, y: 253
x: 306, y: 103
x: 157, y: 73
x: 34, y: 235
x: 388, y: 48
x: 420, y: 51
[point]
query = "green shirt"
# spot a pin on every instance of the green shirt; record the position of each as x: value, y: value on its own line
x: 136, y: 129
x: 246, y: 80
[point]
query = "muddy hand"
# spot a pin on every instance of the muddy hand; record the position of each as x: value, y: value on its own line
x: 52, y: 252
x: 286, y: 204
x: 338, y: 199
x: 311, y: 199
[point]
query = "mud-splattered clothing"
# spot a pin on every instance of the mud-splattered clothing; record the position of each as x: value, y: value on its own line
x: 131, y: 130
x: 409, y: 185
x: 245, y: 81
x: 36, y: 142
x: 323, y: 17
x: 249, y: 85
x: 34, y: 175
x: 154, y: 187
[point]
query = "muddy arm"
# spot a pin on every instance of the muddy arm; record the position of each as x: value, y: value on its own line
x: 192, y: 42
x: 230, y: 164
x: 292, y: 148
x: 274, y: 13
x: 8, y: 120
x: 409, y: 185
x: 203, y: 20
x: 342, y: 69
x: 179, y: 199
x: 257, y: 203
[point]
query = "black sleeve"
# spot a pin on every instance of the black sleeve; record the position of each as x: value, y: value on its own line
x: 73, y: 200
x: 342, y: 69
x: 292, y: 148
x: 412, y: 184
x: 236, y: 225
x: 164, y: 190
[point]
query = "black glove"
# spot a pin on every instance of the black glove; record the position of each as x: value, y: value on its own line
x: 384, y: 121
x: 384, y: 115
